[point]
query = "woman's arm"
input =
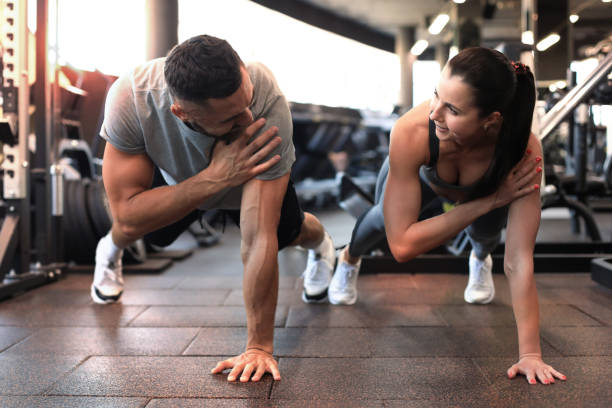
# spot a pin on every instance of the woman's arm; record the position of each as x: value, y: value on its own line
x: 523, y: 224
x: 409, y: 237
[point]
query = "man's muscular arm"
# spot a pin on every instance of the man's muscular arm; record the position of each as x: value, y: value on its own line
x: 138, y: 210
x: 259, y: 219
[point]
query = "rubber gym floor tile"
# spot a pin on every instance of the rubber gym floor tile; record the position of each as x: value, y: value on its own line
x: 235, y: 403
x: 156, y: 377
x: 92, y: 315
x: 577, y: 296
x: 385, y: 281
x: 194, y: 316
x: 106, y: 341
x: 410, y: 296
x: 218, y: 341
x: 414, y: 342
x: 598, y: 312
x: 358, y: 315
x: 71, y: 402
x: 588, y: 380
x: 152, y: 281
x: 378, y: 379
x: 447, y: 342
x: 580, y: 341
x: 48, y: 296
x: 479, y: 401
x: 286, y: 297
x: 564, y: 280
x: 563, y: 315
x: 175, y: 297
x: 477, y: 315
x: 322, y: 342
x: 11, y: 335
x: 24, y: 375
x: 227, y: 282
x: 439, y: 281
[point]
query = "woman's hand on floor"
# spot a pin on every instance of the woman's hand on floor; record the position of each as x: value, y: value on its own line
x: 533, y: 367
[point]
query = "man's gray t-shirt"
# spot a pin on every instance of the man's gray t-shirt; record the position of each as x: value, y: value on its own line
x: 137, y: 119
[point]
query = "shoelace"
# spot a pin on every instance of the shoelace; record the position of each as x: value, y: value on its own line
x: 311, y: 272
x: 479, y: 275
x: 109, y: 272
x: 347, y: 276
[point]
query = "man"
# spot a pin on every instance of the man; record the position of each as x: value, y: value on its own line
x: 219, y: 132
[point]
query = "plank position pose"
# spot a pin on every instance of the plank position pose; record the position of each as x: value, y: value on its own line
x: 470, y: 144
x: 216, y: 134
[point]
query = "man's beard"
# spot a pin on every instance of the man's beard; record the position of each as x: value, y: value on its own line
x: 228, y: 138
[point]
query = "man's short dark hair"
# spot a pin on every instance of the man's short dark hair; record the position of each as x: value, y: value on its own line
x: 203, y: 67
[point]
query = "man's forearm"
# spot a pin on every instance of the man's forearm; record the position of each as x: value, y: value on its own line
x: 153, y: 209
x: 260, y: 291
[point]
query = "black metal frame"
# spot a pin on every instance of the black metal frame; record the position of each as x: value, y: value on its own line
x: 18, y: 246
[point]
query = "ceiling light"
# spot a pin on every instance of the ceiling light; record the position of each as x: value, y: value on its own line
x: 606, y: 1
x: 419, y: 47
x: 549, y: 40
x: 573, y: 18
x: 438, y: 24
x: 527, y: 37
x: 459, y: 1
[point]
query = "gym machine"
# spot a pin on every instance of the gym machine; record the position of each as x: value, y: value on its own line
x: 31, y: 188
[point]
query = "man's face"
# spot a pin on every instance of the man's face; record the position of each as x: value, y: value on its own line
x: 220, y: 117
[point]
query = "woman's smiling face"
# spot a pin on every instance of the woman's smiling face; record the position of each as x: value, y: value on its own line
x: 453, y: 111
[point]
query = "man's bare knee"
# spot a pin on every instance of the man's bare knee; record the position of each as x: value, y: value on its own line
x: 311, y: 233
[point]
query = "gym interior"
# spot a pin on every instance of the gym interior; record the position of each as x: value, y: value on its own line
x: 349, y: 69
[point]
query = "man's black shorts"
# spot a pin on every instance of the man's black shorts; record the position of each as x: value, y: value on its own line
x: 292, y: 217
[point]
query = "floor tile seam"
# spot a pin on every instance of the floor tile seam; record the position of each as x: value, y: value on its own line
x: 178, y: 326
x: 227, y: 296
x: 577, y: 307
x: 65, y: 375
x: 179, y: 281
x: 19, y: 341
x: 192, y: 340
x: 481, y: 370
x: 136, y: 316
x: 365, y: 327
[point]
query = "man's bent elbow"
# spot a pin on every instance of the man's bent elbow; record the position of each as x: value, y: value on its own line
x: 130, y: 232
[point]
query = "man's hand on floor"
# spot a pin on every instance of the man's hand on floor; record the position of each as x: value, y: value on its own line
x: 253, y: 364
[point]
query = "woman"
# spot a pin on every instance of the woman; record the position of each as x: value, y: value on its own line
x: 471, y: 144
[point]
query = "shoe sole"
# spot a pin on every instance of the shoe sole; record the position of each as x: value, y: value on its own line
x: 320, y: 298
x: 480, y: 302
x: 101, y: 299
x: 342, y: 302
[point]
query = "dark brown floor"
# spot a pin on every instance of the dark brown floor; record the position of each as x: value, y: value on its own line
x: 410, y: 341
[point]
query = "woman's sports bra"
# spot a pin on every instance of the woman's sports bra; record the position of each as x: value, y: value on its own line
x: 429, y: 172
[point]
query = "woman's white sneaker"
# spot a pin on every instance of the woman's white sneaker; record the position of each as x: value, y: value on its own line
x: 480, y: 288
x: 343, y: 286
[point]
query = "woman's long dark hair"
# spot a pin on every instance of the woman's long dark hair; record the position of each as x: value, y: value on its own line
x: 499, y: 86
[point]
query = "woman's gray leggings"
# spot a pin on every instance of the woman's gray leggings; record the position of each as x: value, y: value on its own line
x: 369, y: 231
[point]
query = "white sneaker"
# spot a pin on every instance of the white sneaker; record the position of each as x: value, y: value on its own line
x: 107, y: 285
x: 343, y: 287
x: 318, y: 272
x: 480, y: 287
